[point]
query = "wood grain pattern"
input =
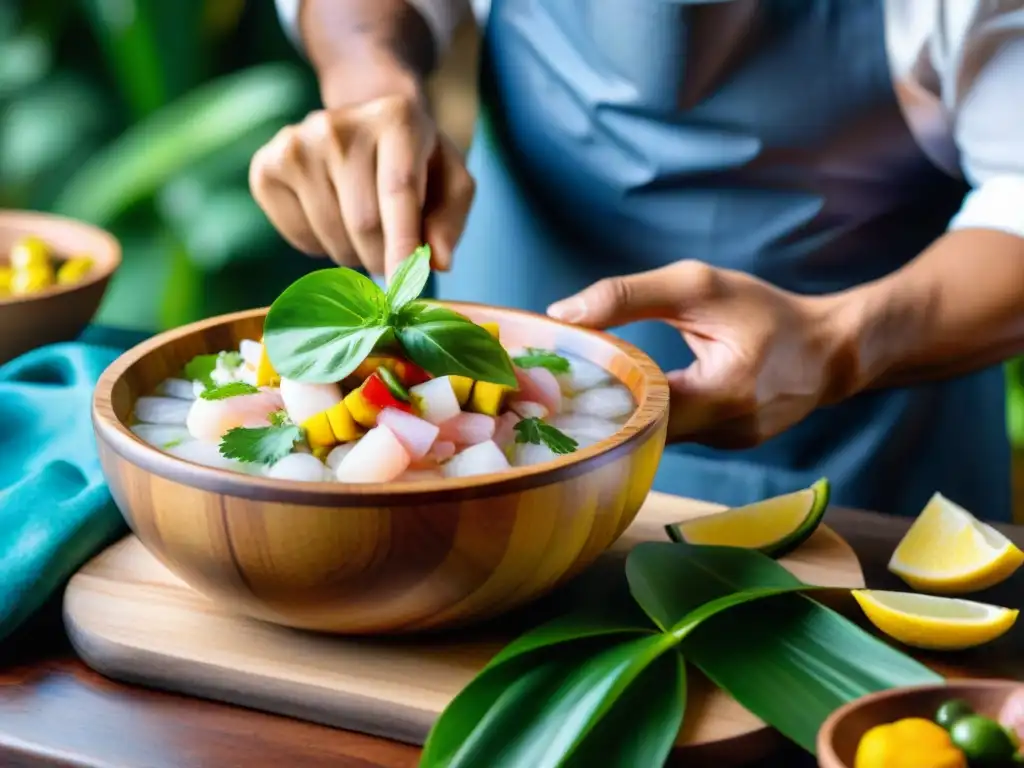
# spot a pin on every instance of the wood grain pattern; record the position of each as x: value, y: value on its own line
x: 59, y: 313
x: 379, y: 558
x: 131, y: 619
x: 841, y: 733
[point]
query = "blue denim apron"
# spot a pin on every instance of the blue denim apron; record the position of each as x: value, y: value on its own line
x: 597, y: 154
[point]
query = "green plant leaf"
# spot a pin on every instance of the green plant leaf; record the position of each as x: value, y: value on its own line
x: 538, y: 432
x: 542, y: 358
x: 232, y: 389
x: 443, y: 343
x: 807, y: 661
x: 260, y: 445
x: 324, y: 324
x: 537, y: 709
x: 409, y: 279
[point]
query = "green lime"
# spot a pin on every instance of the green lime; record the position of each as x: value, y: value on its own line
x: 982, y: 740
x: 951, y: 711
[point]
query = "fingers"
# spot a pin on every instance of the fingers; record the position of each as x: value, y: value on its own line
x: 449, y: 196
x: 656, y: 294
x: 401, y: 174
x: 354, y: 179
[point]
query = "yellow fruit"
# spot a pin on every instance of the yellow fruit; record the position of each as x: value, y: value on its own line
x: 492, y: 328
x: 488, y: 398
x: 343, y: 425
x: 73, y: 270
x: 362, y: 411
x: 31, y: 280
x: 936, y: 623
x: 909, y: 743
x: 318, y: 431
x: 29, y: 252
x: 266, y: 376
x: 949, y: 552
x: 6, y: 275
x: 462, y: 386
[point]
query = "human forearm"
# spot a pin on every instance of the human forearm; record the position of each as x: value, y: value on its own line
x: 956, y: 308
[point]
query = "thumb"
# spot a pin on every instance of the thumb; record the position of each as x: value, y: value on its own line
x: 656, y: 294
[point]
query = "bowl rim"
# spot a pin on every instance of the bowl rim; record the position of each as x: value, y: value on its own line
x: 826, y: 733
x: 105, y: 261
x: 650, y: 415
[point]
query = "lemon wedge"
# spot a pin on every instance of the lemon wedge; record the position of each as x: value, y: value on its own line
x: 949, y: 552
x: 774, y: 526
x: 935, y: 623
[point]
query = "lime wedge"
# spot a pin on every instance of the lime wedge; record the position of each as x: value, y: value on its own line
x: 774, y: 526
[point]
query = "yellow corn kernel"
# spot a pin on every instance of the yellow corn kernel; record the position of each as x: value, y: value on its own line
x: 463, y: 387
x: 29, y: 252
x: 343, y: 425
x: 266, y: 376
x: 31, y: 280
x: 492, y: 328
x: 6, y: 275
x: 362, y: 412
x: 488, y: 398
x: 73, y: 270
x: 318, y: 431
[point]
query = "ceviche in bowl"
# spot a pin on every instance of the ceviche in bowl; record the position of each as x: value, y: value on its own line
x: 360, y: 460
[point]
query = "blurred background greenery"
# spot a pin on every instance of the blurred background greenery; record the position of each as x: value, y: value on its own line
x: 142, y: 116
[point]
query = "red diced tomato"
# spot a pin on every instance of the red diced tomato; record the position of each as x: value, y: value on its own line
x: 378, y: 395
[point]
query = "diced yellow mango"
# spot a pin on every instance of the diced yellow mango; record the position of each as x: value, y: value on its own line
x: 318, y: 431
x: 6, y: 275
x: 73, y: 270
x: 266, y: 376
x: 488, y: 398
x: 343, y: 425
x: 363, y: 412
x: 462, y: 386
x: 321, y: 452
x: 492, y: 328
x: 31, y: 280
x: 28, y: 253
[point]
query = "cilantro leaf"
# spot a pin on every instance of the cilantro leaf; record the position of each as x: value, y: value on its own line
x: 259, y: 445
x: 279, y: 418
x: 538, y: 432
x: 231, y: 359
x: 201, y: 367
x: 234, y: 389
x: 542, y: 358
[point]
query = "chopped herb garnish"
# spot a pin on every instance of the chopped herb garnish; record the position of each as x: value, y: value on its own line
x: 172, y: 443
x: 538, y: 432
x: 233, y: 389
x: 231, y: 359
x: 201, y: 367
x: 279, y: 418
x: 260, y: 445
x: 393, y: 384
x: 542, y: 358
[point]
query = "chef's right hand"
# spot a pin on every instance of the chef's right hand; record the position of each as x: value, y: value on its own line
x: 365, y: 184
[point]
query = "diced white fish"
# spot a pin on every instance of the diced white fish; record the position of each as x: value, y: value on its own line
x: 436, y: 400
x: 162, y: 410
x: 441, y: 451
x: 585, y: 430
x: 210, y: 419
x: 525, y: 454
x: 299, y: 466
x: 479, y: 459
x: 248, y: 375
x: 468, y: 429
x: 250, y: 351
x: 305, y: 400
x: 198, y: 388
x: 182, y: 389
x: 162, y: 436
x: 505, y: 429
x: 528, y: 409
x: 208, y: 454
x: 338, y: 453
x: 614, y: 402
x: 540, y: 386
x: 416, y: 434
x: 582, y: 375
x: 377, y: 457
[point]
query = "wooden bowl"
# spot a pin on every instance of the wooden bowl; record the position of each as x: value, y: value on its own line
x: 61, y: 312
x: 379, y: 558
x: 841, y: 733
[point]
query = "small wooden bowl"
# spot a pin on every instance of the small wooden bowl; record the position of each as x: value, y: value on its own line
x: 841, y: 733
x: 61, y: 312
x: 379, y: 558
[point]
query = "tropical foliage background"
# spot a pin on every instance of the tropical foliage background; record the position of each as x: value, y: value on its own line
x: 142, y: 115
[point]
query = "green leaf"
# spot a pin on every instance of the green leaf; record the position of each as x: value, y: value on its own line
x: 278, y: 419
x: 537, y: 709
x: 409, y: 279
x: 542, y: 358
x: 234, y: 389
x: 538, y: 432
x: 445, y: 343
x: 259, y: 445
x: 324, y: 325
x: 201, y: 367
x: 806, y: 662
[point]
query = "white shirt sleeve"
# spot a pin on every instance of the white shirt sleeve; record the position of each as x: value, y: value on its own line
x: 441, y: 16
x: 979, y: 57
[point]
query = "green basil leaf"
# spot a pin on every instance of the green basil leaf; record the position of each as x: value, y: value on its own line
x: 200, y: 368
x: 324, y: 324
x: 542, y: 358
x: 232, y: 389
x: 409, y: 279
x: 537, y: 709
x: 445, y: 343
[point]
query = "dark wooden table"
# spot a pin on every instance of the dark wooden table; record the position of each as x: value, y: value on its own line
x: 55, y: 711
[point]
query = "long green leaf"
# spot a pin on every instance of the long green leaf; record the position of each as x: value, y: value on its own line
x: 152, y: 151
x: 537, y: 709
x: 791, y: 661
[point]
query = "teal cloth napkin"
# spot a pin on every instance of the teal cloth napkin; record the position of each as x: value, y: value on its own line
x: 55, y: 509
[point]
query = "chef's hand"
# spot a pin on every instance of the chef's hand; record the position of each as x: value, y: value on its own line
x: 365, y: 184
x: 765, y: 358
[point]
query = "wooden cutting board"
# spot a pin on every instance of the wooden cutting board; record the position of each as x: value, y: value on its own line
x: 129, y: 618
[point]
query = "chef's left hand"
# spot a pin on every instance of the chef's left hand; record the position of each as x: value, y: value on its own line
x: 765, y: 358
